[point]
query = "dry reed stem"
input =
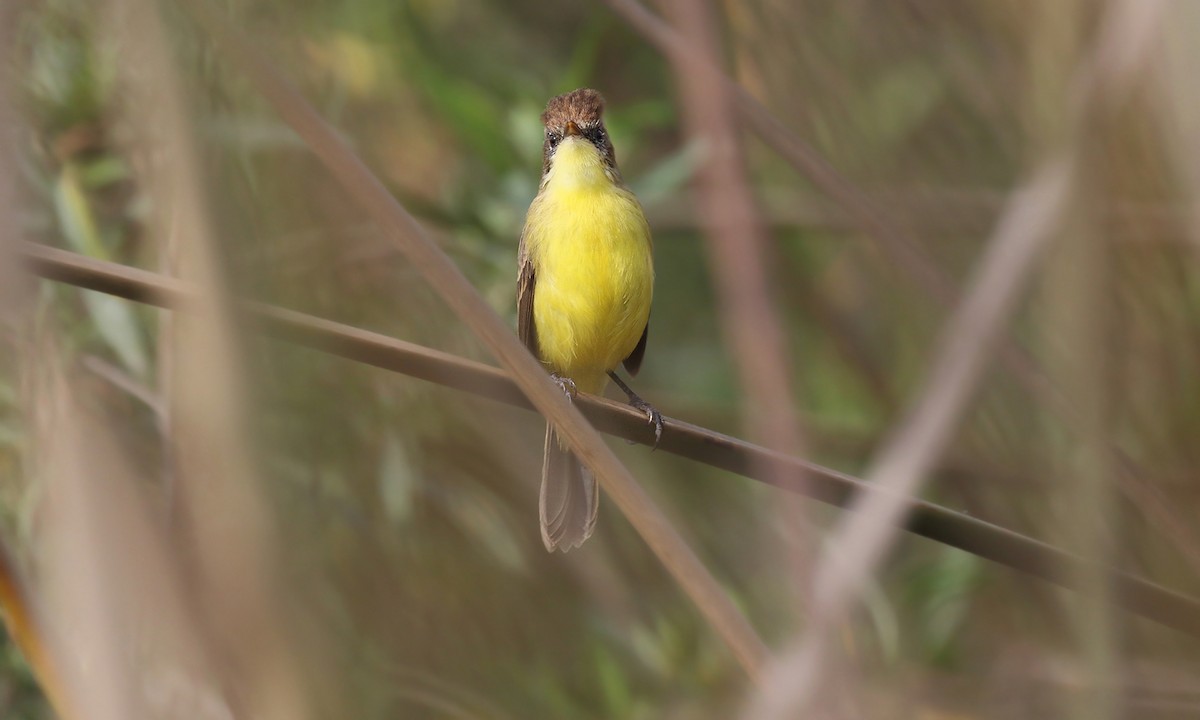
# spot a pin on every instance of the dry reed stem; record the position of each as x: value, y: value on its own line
x: 119, y: 598
x: 860, y: 541
x: 680, y: 438
x: 1076, y: 301
x: 868, y: 215
x: 81, y: 588
x: 738, y: 258
x: 225, y: 524
x: 24, y: 616
x: 1079, y: 293
x: 735, y: 228
x: 861, y: 210
x: 445, y: 278
x: 737, y: 242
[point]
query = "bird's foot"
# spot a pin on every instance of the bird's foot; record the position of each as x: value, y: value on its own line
x: 566, y: 384
x: 652, y: 415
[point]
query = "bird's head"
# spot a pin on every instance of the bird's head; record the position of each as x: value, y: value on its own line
x: 576, y: 140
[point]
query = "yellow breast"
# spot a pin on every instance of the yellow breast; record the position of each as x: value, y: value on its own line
x: 590, y: 246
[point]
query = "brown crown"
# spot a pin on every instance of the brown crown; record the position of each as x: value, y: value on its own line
x: 583, y: 106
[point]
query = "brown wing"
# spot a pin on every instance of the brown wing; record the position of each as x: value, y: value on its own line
x: 526, y: 280
x: 633, y: 363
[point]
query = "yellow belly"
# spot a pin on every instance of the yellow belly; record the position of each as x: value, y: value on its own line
x: 591, y: 251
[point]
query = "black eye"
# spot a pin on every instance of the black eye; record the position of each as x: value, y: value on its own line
x: 553, y: 138
x: 600, y: 136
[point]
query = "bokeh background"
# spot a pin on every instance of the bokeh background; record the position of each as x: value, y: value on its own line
x: 391, y: 532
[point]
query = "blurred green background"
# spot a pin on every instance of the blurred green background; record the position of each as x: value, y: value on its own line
x: 407, y: 512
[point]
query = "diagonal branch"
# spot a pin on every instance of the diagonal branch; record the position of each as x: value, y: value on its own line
x: 940, y: 524
x: 448, y: 281
x: 861, y: 539
x: 868, y: 216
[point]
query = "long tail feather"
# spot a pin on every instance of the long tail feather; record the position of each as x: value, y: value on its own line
x: 569, y: 498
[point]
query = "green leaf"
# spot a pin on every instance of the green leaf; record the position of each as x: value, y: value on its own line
x: 397, y: 483
x: 104, y: 171
x: 117, y: 324
x: 75, y: 216
x: 614, y: 684
x: 114, y: 318
x: 945, y: 589
x: 464, y: 105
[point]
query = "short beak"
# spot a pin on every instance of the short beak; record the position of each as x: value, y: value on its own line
x: 571, y: 129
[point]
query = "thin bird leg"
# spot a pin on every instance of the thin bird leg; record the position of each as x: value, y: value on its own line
x: 654, y: 416
x: 566, y: 384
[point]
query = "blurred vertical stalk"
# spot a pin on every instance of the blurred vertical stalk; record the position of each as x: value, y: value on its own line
x: 759, y: 64
x: 75, y: 551
x: 225, y: 524
x: 14, y: 284
x: 1181, y: 114
x: 24, y: 618
x: 738, y: 253
x: 737, y: 238
x: 116, y: 598
x: 1055, y: 34
x: 1079, y: 296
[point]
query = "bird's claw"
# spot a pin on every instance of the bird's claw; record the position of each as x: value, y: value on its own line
x: 653, y: 416
x: 566, y: 384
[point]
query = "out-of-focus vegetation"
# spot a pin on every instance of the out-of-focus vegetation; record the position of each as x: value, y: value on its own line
x: 413, y: 573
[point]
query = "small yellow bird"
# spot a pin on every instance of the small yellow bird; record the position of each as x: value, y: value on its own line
x: 584, y: 286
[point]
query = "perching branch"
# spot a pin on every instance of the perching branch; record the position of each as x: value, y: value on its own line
x: 926, y: 519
